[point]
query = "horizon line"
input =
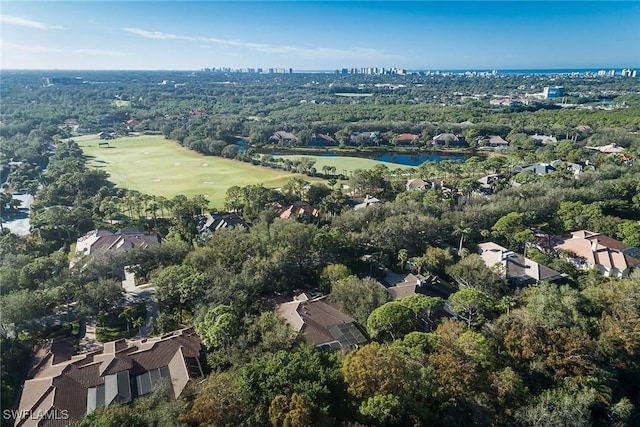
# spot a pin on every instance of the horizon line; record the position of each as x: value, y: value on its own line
x: 290, y: 70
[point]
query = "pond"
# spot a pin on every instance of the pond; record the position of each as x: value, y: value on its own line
x: 417, y: 159
x: 404, y: 159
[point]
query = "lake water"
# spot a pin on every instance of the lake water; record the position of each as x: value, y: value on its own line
x: 404, y: 159
x: 416, y: 159
x: 396, y: 158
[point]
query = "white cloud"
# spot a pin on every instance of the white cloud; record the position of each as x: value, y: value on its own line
x: 22, y: 22
x: 28, y: 48
x: 158, y: 35
x: 305, y: 52
x: 101, y: 52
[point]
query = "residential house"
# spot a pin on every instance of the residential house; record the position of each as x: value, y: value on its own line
x: 490, y: 183
x: 423, y: 185
x: 584, y: 130
x: 495, y: 142
x: 63, y: 387
x: 106, y: 240
x: 505, y: 102
x: 574, y: 168
x: 612, y: 148
x: 401, y: 285
x: 515, y: 268
x: 211, y: 222
x: 321, y: 140
x: 132, y: 123
x: 537, y: 168
x: 358, y: 203
x: 72, y: 124
x: 105, y: 136
x: 449, y: 139
x: 365, y: 138
x: 544, y: 139
x: 609, y: 256
x: 282, y: 137
x: 297, y: 210
x: 321, y: 324
x: 407, y: 139
x: 418, y: 184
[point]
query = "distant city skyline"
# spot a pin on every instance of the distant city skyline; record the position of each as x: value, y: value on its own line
x: 430, y: 35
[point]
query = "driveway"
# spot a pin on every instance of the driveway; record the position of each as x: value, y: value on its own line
x: 18, y: 222
x: 88, y: 341
x: 147, y: 294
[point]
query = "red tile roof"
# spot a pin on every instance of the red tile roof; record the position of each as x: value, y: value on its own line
x: 600, y: 250
x: 406, y: 137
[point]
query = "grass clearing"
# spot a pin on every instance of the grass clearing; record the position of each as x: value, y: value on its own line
x: 113, y: 327
x: 154, y: 165
x: 344, y: 165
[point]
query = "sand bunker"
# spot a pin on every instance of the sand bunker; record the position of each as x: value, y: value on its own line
x: 176, y: 164
x: 146, y: 152
x: 156, y: 180
x: 204, y: 165
x: 138, y: 161
x: 207, y: 182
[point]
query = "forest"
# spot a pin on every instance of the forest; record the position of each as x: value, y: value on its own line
x: 489, y: 354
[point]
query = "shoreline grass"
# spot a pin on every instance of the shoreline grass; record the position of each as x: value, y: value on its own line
x: 344, y: 164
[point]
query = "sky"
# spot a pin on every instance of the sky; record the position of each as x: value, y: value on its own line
x: 328, y: 35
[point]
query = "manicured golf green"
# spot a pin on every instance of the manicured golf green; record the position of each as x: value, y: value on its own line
x: 344, y: 165
x: 154, y: 165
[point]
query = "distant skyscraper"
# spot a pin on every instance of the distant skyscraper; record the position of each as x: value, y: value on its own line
x: 553, y: 92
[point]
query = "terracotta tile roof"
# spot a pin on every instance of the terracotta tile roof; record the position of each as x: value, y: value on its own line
x: 326, y: 138
x: 601, y: 251
x: 406, y: 137
x: 297, y: 209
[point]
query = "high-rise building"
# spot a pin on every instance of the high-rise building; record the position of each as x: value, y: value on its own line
x: 553, y: 92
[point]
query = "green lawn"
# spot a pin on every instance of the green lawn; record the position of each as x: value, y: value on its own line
x: 112, y: 327
x: 154, y: 165
x: 345, y: 165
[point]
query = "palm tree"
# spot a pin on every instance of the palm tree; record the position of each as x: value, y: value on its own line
x: 153, y: 210
x: 403, y: 257
x: 463, y: 231
x: 128, y: 314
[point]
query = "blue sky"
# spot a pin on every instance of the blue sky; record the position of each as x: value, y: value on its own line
x: 326, y: 35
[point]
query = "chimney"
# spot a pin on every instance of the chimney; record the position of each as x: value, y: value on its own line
x: 594, y: 245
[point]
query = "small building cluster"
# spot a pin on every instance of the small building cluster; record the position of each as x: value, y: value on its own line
x: 64, y: 387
